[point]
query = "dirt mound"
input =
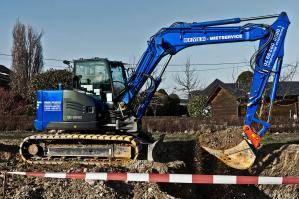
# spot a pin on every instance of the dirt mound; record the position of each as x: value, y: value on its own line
x: 278, y: 160
x: 278, y: 156
x: 221, y: 139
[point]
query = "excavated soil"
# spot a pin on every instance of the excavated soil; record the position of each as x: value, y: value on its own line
x: 179, y: 154
x: 221, y: 139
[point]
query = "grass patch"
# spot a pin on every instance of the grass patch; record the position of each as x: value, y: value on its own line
x: 281, y: 138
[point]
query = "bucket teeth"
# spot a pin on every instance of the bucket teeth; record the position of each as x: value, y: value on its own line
x: 239, y: 157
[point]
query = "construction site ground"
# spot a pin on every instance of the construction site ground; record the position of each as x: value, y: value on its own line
x: 180, y: 153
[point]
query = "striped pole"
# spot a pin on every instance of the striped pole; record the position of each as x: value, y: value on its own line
x: 166, y: 178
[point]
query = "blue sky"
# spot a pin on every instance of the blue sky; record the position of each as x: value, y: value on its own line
x: 119, y: 30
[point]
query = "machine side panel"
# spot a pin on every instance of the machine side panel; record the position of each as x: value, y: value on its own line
x: 49, y: 108
x: 78, y: 107
x: 38, y: 122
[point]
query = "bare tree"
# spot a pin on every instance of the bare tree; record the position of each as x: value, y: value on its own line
x: 27, y: 57
x: 188, y: 81
x: 155, y: 103
x: 289, y: 72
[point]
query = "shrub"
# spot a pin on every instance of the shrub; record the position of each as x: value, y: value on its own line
x: 13, y: 111
x: 16, y: 122
x: 11, y: 104
x: 245, y: 78
x: 197, y: 107
x: 174, y: 105
x: 164, y: 104
x: 50, y: 80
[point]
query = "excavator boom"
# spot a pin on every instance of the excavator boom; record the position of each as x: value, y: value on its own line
x: 266, y: 61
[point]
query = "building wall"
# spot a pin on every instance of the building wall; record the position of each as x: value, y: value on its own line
x: 282, y: 111
x: 224, y: 106
x: 286, y: 109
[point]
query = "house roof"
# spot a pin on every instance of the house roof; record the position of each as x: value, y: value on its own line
x: 288, y: 88
x: 3, y: 69
x: 4, y: 74
x: 209, y: 89
x: 285, y: 88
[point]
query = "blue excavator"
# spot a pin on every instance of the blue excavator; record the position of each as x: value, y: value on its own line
x: 100, y: 118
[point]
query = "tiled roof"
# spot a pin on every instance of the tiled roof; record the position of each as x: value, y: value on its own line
x: 284, y: 88
x: 3, y: 69
x: 4, y: 75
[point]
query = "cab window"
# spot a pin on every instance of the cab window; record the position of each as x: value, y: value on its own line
x: 118, y: 77
x: 93, y: 72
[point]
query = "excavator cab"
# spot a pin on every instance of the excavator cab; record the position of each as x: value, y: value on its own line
x: 88, y: 106
x: 101, y: 77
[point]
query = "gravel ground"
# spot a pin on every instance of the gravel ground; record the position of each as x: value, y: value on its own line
x: 181, y: 153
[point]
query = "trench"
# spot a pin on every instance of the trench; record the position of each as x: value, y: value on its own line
x: 198, y: 161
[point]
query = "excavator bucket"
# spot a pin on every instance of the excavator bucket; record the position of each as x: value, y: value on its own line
x: 239, y: 157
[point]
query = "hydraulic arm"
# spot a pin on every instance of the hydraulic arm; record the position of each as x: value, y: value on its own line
x: 266, y: 61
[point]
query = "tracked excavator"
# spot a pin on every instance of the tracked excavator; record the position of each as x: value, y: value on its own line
x: 101, y: 117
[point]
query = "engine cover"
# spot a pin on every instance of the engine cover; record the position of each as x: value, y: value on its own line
x: 68, y: 110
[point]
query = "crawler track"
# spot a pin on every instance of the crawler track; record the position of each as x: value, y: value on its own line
x: 58, y: 140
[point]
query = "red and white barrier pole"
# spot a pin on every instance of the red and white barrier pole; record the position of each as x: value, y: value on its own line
x: 167, y: 178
